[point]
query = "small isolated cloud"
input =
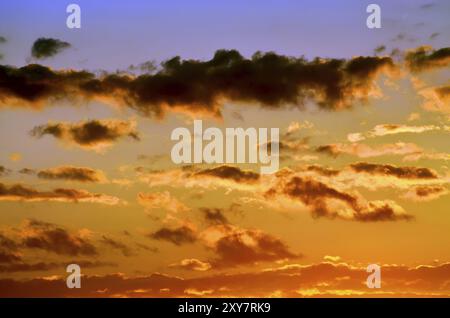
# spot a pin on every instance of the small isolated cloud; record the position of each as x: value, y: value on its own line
x: 115, y: 244
x: 91, y: 134
x: 71, y: 173
x: 425, y: 193
x: 178, y: 236
x: 230, y: 172
x: 380, y: 49
x: 214, y: 216
x: 192, y: 264
x: 330, y: 258
x: 434, y: 35
x: 47, y: 47
x: 237, y: 246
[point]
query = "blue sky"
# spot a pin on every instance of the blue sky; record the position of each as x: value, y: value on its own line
x: 115, y: 34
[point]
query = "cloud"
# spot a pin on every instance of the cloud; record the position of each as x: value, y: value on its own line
x: 193, y: 86
x: 427, y: 6
x: 390, y: 170
x: 4, y: 171
x: 2, y: 39
x: 366, y: 151
x: 325, y: 200
x: 18, y: 243
x: 214, y: 216
x: 380, y: 49
x: 436, y: 99
x: 18, y: 192
x: 27, y: 171
x: 49, y: 237
x: 47, y: 47
x: 328, y: 172
x: 434, y: 35
x: 226, y: 176
x: 237, y: 246
x: 230, y: 172
x: 161, y: 200
x: 178, y: 236
x: 426, y: 58
x: 390, y: 129
x: 425, y: 193
x: 8, y: 257
x: 48, y: 266
x: 91, y: 134
x: 323, y: 279
x: 123, y: 248
x: 71, y: 173
x: 192, y: 264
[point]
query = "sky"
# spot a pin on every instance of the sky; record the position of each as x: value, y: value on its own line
x: 86, y: 176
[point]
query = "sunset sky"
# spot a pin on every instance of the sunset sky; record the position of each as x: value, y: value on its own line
x: 86, y: 175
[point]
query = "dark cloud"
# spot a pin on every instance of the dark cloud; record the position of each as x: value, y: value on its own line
x: 18, y: 192
x: 330, y: 150
x: 317, y: 196
x: 27, y: 171
x: 51, y: 238
x: 178, y: 236
x: 381, y: 213
x: 214, y: 216
x: 71, y: 173
x: 313, y: 193
x: 193, y: 86
x: 426, y: 58
x: 28, y: 267
x: 425, y: 191
x: 43, y: 266
x: 123, y: 248
x: 47, y: 47
x: 230, y: 172
x: 89, y: 134
x: 434, y: 35
x: 389, y: 170
x: 380, y: 49
x: 2, y: 39
x: 8, y: 257
x: 443, y: 92
x: 237, y: 246
x: 4, y: 171
x: 328, y: 172
x: 7, y: 243
x: 427, y: 5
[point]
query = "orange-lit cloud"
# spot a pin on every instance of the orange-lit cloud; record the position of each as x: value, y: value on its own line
x: 91, y: 134
x: 19, y: 192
